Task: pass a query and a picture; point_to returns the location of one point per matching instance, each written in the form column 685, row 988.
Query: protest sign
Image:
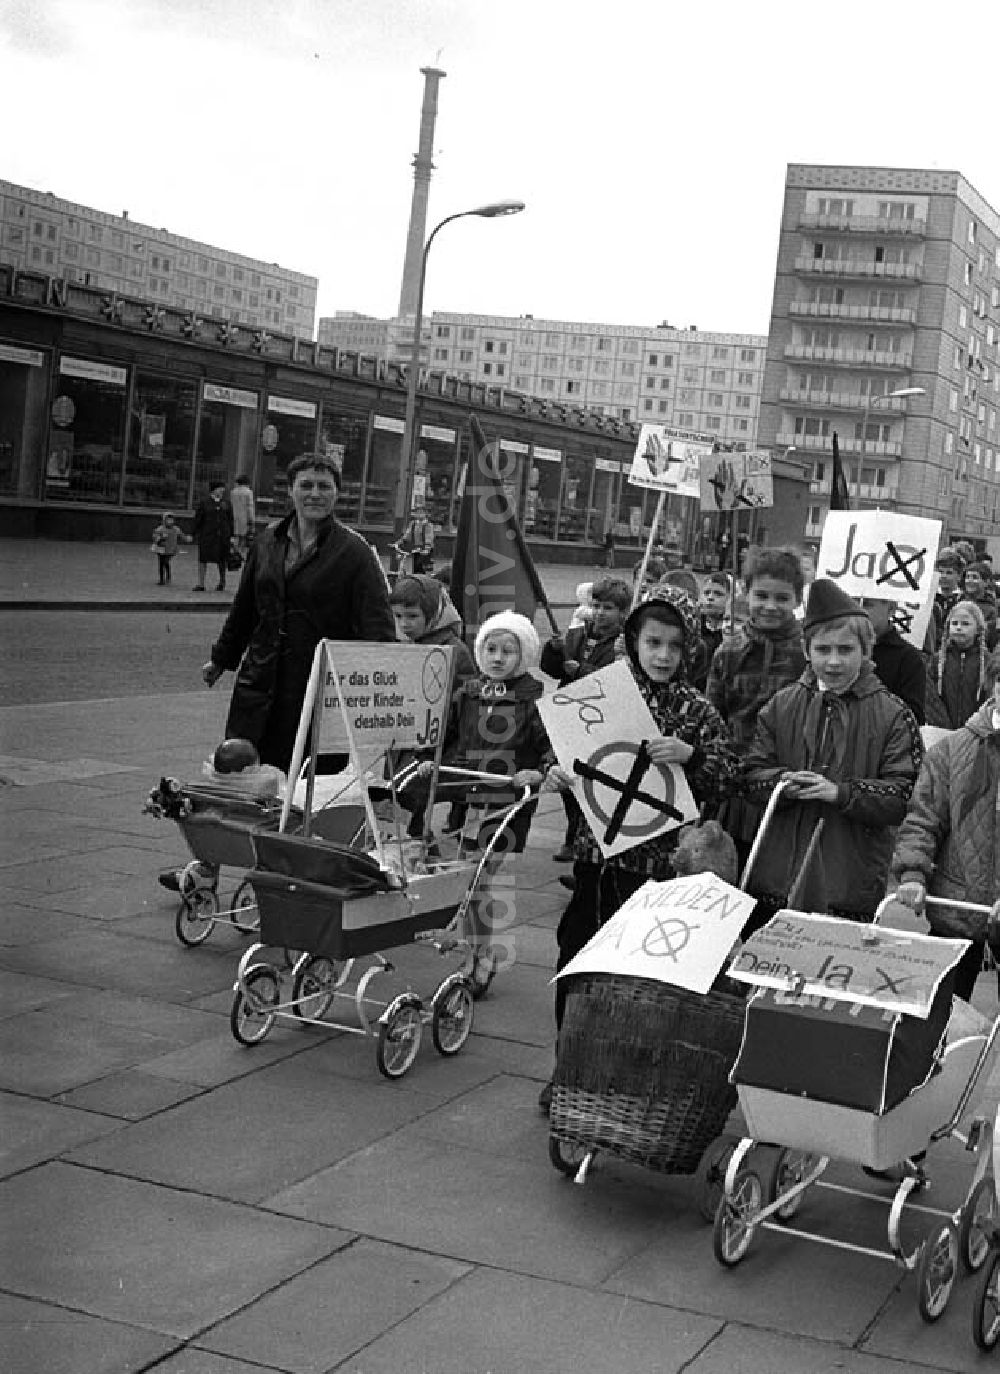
column 677, row 932
column 598, row 727
column 847, row 962
column 736, row 481
column 879, row 554
column 392, row 696
column 667, row 460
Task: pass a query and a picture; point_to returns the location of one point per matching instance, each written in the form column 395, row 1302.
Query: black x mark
column 629, row 789
column 902, row 565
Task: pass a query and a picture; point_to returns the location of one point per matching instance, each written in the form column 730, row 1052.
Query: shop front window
column 604, row 505
column 435, row 472
column 514, row 467
column 160, row 442
column 289, row 430
column 226, row 436
column 86, row 432
column 541, row 502
column 574, row 510
column 384, row 470
column 344, row 438
column 24, row 376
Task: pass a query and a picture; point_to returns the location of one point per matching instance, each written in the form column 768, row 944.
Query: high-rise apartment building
column 685, row 377
column 355, row 333
column 42, row 233
column 888, row 281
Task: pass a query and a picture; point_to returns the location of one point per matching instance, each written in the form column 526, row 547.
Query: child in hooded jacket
column 496, row 728
column 661, row 643
column 848, row 752
column 956, row 675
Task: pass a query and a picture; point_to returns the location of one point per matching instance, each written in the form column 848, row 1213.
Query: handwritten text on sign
column 736, row 481
column 678, row 932
column 395, row 696
column 880, row 554
column 668, row 460
column 847, row 961
column 599, row 727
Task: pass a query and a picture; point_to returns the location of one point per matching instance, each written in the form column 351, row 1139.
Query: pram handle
column 758, row 839
column 953, row 902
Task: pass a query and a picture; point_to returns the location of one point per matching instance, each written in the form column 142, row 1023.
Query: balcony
column 865, row 224
column 848, row 357
column 876, row 314
column 837, row 400
column 849, row 445
column 885, row 271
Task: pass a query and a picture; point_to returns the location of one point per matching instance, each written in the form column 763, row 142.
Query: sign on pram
column 880, row 554
column 677, row 932
column 668, row 460
column 599, row 727
column 389, row 696
column 846, row 961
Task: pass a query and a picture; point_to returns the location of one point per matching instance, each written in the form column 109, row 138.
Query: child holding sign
column 848, row 752
column 661, row 645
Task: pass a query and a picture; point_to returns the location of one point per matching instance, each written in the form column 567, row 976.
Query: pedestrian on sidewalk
column 213, row 532
column 166, row 538
column 244, row 513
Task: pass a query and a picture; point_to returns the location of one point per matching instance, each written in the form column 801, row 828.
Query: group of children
column 793, row 695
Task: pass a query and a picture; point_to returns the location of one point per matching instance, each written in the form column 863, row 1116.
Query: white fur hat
column 509, row 622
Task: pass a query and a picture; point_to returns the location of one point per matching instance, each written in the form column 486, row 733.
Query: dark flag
column 840, row 492
column 492, row 568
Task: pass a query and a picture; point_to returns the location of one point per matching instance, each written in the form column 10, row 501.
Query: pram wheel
column 936, row 1271
column 976, row 1225
column 712, row 1177
column 195, row 917
column 568, row 1155
column 451, row 1016
column 316, row 978
column 245, row 916
column 986, row 1308
column 790, row 1167
column 399, row 1031
column 251, row 1016
column 735, row 1219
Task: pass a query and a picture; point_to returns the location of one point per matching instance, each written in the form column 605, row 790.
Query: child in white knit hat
column 496, row 728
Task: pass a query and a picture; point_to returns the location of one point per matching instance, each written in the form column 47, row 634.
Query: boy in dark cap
column 848, row 752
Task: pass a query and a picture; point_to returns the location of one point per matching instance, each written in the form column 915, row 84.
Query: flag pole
column 641, row 575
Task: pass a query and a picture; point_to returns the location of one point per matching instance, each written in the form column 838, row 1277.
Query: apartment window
column 953, row 399
column 647, row 404
column 572, row 388
column 719, row 352
column 488, row 346
column 468, row 333
column 652, row 360
column 577, row 342
column 524, row 360
column 668, row 360
column 664, row 383
column 713, row 422
column 686, row 396
column 441, row 355
column 603, row 345
column 237, row 294
column 547, row 384
column 502, row 347
column 744, row 379
column 501, row 369
column 552, row 341
column 219, row 292
column 959, row 355
column 650, row 383
column 742, row 426
column 743, row 402
column 37, row 228
column 550, row 361
column 972, row 231
column 685, row 419
column 527, row 340
column 662, row 407
column 717, row 375
column 628, row 369
column 576, row 364
column 203, row 267
column 715, row 398
column 465, row 355
column 602, row 368
column 632, row 345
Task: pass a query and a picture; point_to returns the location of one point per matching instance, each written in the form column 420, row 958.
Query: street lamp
column 870, row 403
column 494, row 210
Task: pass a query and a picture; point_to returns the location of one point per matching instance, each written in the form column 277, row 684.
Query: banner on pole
column 599, row 727
column 880, row 554
column 736, row 481
column 668, row 460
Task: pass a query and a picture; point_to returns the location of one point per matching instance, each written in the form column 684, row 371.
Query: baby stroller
column 807, row 1084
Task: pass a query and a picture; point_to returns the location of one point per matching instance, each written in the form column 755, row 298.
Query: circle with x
column 434, row 676
column 631, row 793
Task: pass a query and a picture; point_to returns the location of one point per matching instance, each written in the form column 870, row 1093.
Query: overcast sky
column 648, row 139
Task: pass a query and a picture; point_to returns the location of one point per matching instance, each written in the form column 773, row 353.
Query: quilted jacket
column 746, row 672
column 950, row 839
column 867, row 742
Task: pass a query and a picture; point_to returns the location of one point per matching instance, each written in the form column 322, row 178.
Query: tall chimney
column 422, row 168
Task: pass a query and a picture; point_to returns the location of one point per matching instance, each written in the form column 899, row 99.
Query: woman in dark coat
column 307, row 578
column 213, row 533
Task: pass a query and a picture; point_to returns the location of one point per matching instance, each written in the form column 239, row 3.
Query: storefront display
column 227, row 436
column 160, row 442
column 86, row 431
column 24, row 378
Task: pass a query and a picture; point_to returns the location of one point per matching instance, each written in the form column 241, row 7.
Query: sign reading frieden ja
column 880, row 554
column 847, row 962
column 678, row 932
column 389, row 696
column 599, row 727
column 668, row 460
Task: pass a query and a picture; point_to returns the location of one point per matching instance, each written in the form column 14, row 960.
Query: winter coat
column 213, row 530
column 496, row 728
column 166, row 539
column 961, row 691
column 901, row 668
column 337, row 591
column 746, row 672
column 867, row 742
column 950, row 839
column 712, row 637
column 241, row 501
column 591, row 654
column 678, row 709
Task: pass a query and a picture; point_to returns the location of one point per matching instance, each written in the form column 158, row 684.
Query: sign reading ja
column 880, row 554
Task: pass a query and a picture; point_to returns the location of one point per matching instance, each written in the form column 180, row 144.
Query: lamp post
column 870, row 403
column 403, row 491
